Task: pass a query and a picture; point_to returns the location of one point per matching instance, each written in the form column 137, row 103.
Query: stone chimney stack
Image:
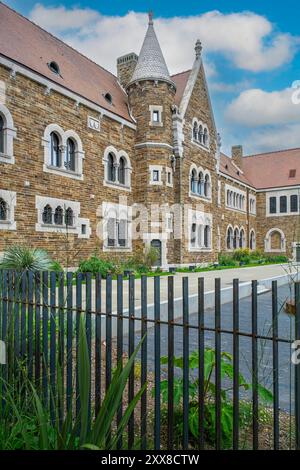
column 126, row 66
column 237, row 155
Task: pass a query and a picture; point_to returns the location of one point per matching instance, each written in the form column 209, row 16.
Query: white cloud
column 61, row 20
column 246, row 39
column 221, row 87
column 274, row 138
column 256, row 107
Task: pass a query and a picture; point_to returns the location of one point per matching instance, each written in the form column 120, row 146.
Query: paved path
column 226, row 275
column 286, row 328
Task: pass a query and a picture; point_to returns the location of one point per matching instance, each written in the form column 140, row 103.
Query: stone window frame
column 117, row 212
column 159, row 169
column 63, row 137
column 117, row 155
column 205, row 173
column 200, row 220
column 229, row 238
column 42, row 201
column 9, row 134
column 156, row 109
column 169, row 171
column 235, row 199
column 252, row 204
column 277, row 195
column 10, row 198
column 252, row 233
column 268, row 236
column 202, row 129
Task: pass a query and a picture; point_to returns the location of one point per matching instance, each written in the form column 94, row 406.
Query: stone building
column 90, row 162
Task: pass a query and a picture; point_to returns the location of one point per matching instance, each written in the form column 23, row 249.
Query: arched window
column 236, row 238
column 193, row 181
column 229, row 241
column 111, row 168
column 3, row 210
column 207, row 236
column 70, row 155
column 201, row 184
column 195, row 131
column 122, row 164
column 205, row 137
column 200, row 135
column 207, row 186
column 242, row 239
column 55, row 150
column 1, row 134
column 69, row 217
column 193, row 235
column 200, row 236
column 252, row 240
column 47, row 214
column 59, row 216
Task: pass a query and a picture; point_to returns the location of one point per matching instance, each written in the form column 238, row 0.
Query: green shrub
column 96, row 265
column 275, row 258
column 57, row 267
column 27, row 425
column 241, row 254
column 227, row 372
column 226, row 260
column 22, row 258
column 256, row 254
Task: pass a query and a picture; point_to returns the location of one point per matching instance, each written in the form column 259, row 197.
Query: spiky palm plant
column 22, row 258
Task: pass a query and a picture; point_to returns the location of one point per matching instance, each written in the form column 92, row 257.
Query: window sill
column 234, row 209
column 62, row 172
column 122, row 187
column 4, row 158
column 200, row 250
column 198, row 196
column 156, row 124
column 69, row 227
column 116, row 249
column 204, row 147
column 7, row 225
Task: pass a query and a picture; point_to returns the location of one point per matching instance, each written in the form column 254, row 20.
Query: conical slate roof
column 151, row 64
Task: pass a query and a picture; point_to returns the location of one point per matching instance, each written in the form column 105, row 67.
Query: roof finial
column 150, row 15
column 198, row 48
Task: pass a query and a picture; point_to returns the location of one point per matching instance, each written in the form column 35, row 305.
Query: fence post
column 236, row 365
column 297, row 366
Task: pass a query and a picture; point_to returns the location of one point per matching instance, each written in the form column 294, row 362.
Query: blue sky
column 251, row 52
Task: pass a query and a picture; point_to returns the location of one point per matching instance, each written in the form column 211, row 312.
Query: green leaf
column 264, row 393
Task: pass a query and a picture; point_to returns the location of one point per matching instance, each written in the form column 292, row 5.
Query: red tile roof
column 180, row 80
column 230, row 169
column 29, row 45
column 272, row 170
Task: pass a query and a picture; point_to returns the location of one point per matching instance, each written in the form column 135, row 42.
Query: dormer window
column 108, row 98
column 54, row 67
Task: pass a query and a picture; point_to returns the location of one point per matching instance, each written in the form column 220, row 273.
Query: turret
column 151, row 91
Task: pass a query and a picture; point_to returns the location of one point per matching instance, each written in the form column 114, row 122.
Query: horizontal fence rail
column 192, row 364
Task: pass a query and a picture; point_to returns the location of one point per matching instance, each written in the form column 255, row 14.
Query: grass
column 221, row 268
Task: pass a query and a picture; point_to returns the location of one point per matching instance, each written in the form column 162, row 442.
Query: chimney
column 237, row 155
column 125, row 66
